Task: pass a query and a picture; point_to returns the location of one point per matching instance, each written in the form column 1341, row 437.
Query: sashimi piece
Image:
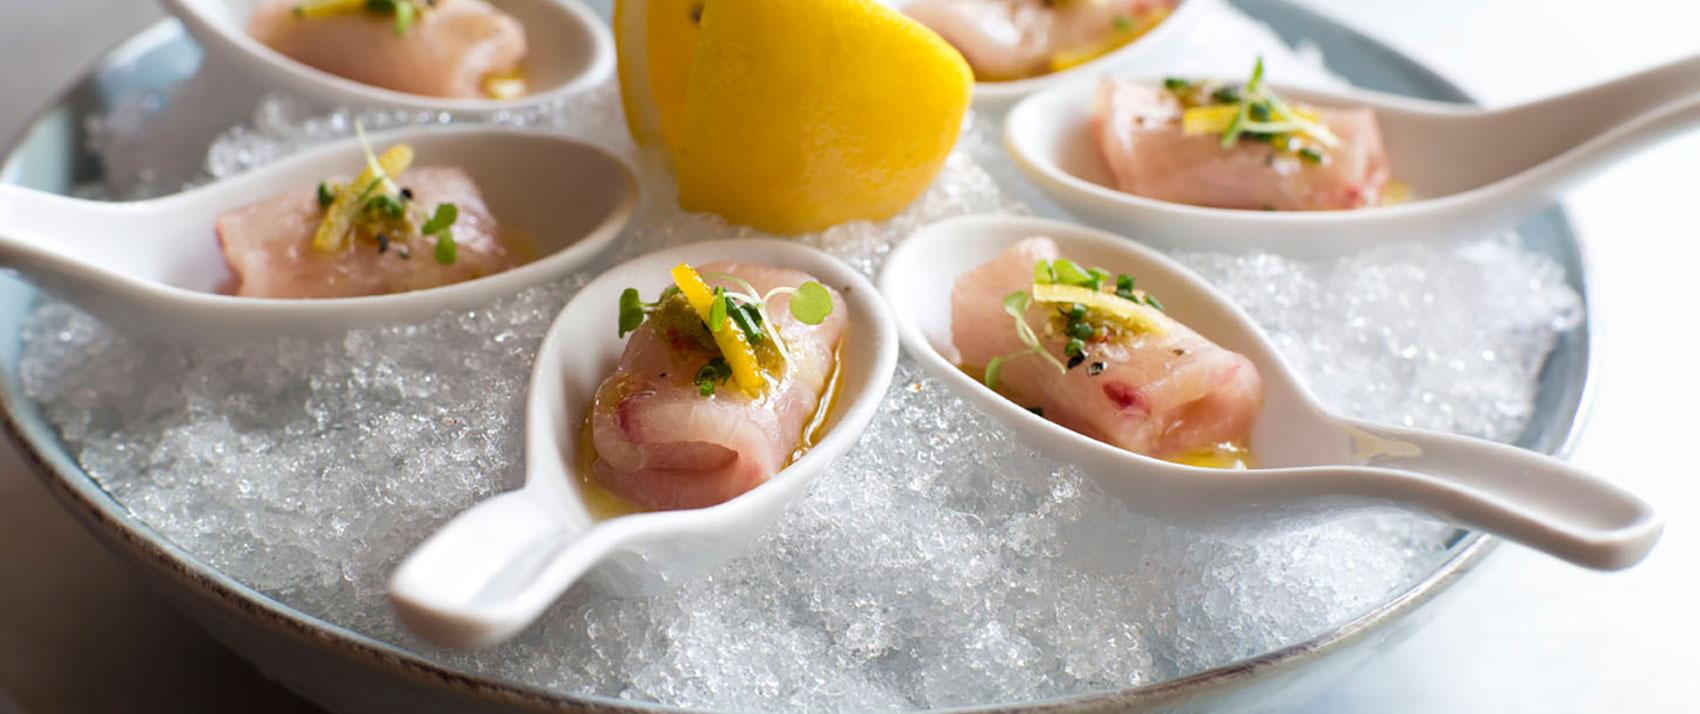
column 1149, row 154
column 268, row 245
column 447, row 52
column 1011, row 39
column 661, row 444
column 1164, row 396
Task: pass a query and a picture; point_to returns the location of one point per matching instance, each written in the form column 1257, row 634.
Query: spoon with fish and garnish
column 1310, row 465
column 493, row 569
column 443, row 55
column 158, row 269
column 1469, row 171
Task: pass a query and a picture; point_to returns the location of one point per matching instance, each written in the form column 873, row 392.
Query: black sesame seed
column 1076, row 360
column 1095, row 369
column 1179, row 351
column 407, row 193
column 383, row 244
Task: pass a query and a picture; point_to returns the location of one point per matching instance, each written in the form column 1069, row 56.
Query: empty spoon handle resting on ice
column 1536, row 500
column 494, row 569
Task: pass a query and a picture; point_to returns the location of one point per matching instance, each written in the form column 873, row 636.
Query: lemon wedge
column 1134, row 315
column 731, row 341
column 791, row 116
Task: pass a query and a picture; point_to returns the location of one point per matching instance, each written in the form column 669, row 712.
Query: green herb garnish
column 631, row 310
column 446, row 248
column 1176, row 84
column 1124, row 24
column 717, row 311
column 327, row 195
column 443, row 218
column 716, row 371
column 812, row 303
column 1016, row 304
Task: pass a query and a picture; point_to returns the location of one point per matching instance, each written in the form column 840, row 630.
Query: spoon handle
column 60, row 242
column 1536, row 500
column 1567, row 137
column 494, row 569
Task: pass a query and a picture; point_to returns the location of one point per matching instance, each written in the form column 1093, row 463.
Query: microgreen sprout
column 1016, row 304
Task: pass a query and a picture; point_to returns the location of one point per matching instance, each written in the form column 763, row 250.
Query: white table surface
column 1525, row 634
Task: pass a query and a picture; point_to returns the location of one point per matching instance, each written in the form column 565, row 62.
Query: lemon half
column 791, row 116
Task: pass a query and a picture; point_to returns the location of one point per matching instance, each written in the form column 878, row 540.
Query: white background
column 1524, row 634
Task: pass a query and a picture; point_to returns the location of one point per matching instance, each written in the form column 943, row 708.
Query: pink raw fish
column 1164, row 396
column 447, row 52
column 269, row 244
column 1011, row 39
column 661, row 444
column 1139, row 127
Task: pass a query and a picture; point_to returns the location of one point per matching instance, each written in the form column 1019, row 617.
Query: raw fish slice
column 269, row 244
column 661, row 444
column 1149, row 154
column 448, row 52
column 1010, row 39
column 1161, row 396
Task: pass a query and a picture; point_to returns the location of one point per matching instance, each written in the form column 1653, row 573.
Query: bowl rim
column 39, row 446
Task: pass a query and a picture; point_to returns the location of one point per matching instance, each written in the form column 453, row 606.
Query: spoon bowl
column 1162, row 45
column 495, row 568
column 154, row 268
column 1471, row 171
column 568, row 49
column 1313, row 466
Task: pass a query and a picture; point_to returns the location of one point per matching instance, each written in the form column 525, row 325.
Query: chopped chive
column 1080, row 330
column 1312, row 155
column 1176, row 84
column 742, row 318
column 1075, row 347
column 1076, row 311
column 327, row 196
column 1124, row 287
column 1260, row 111
column 1152, row 301
column 1124, row 24
column 1226, row 94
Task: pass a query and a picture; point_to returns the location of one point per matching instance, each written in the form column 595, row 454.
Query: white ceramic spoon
column 1472, row 171
column 1162, row 45
column 568, row 49
column 153, row 268
column 496, row 567
column 1313, row 466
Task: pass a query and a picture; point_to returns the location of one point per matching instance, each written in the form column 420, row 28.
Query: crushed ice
column 948, row 566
